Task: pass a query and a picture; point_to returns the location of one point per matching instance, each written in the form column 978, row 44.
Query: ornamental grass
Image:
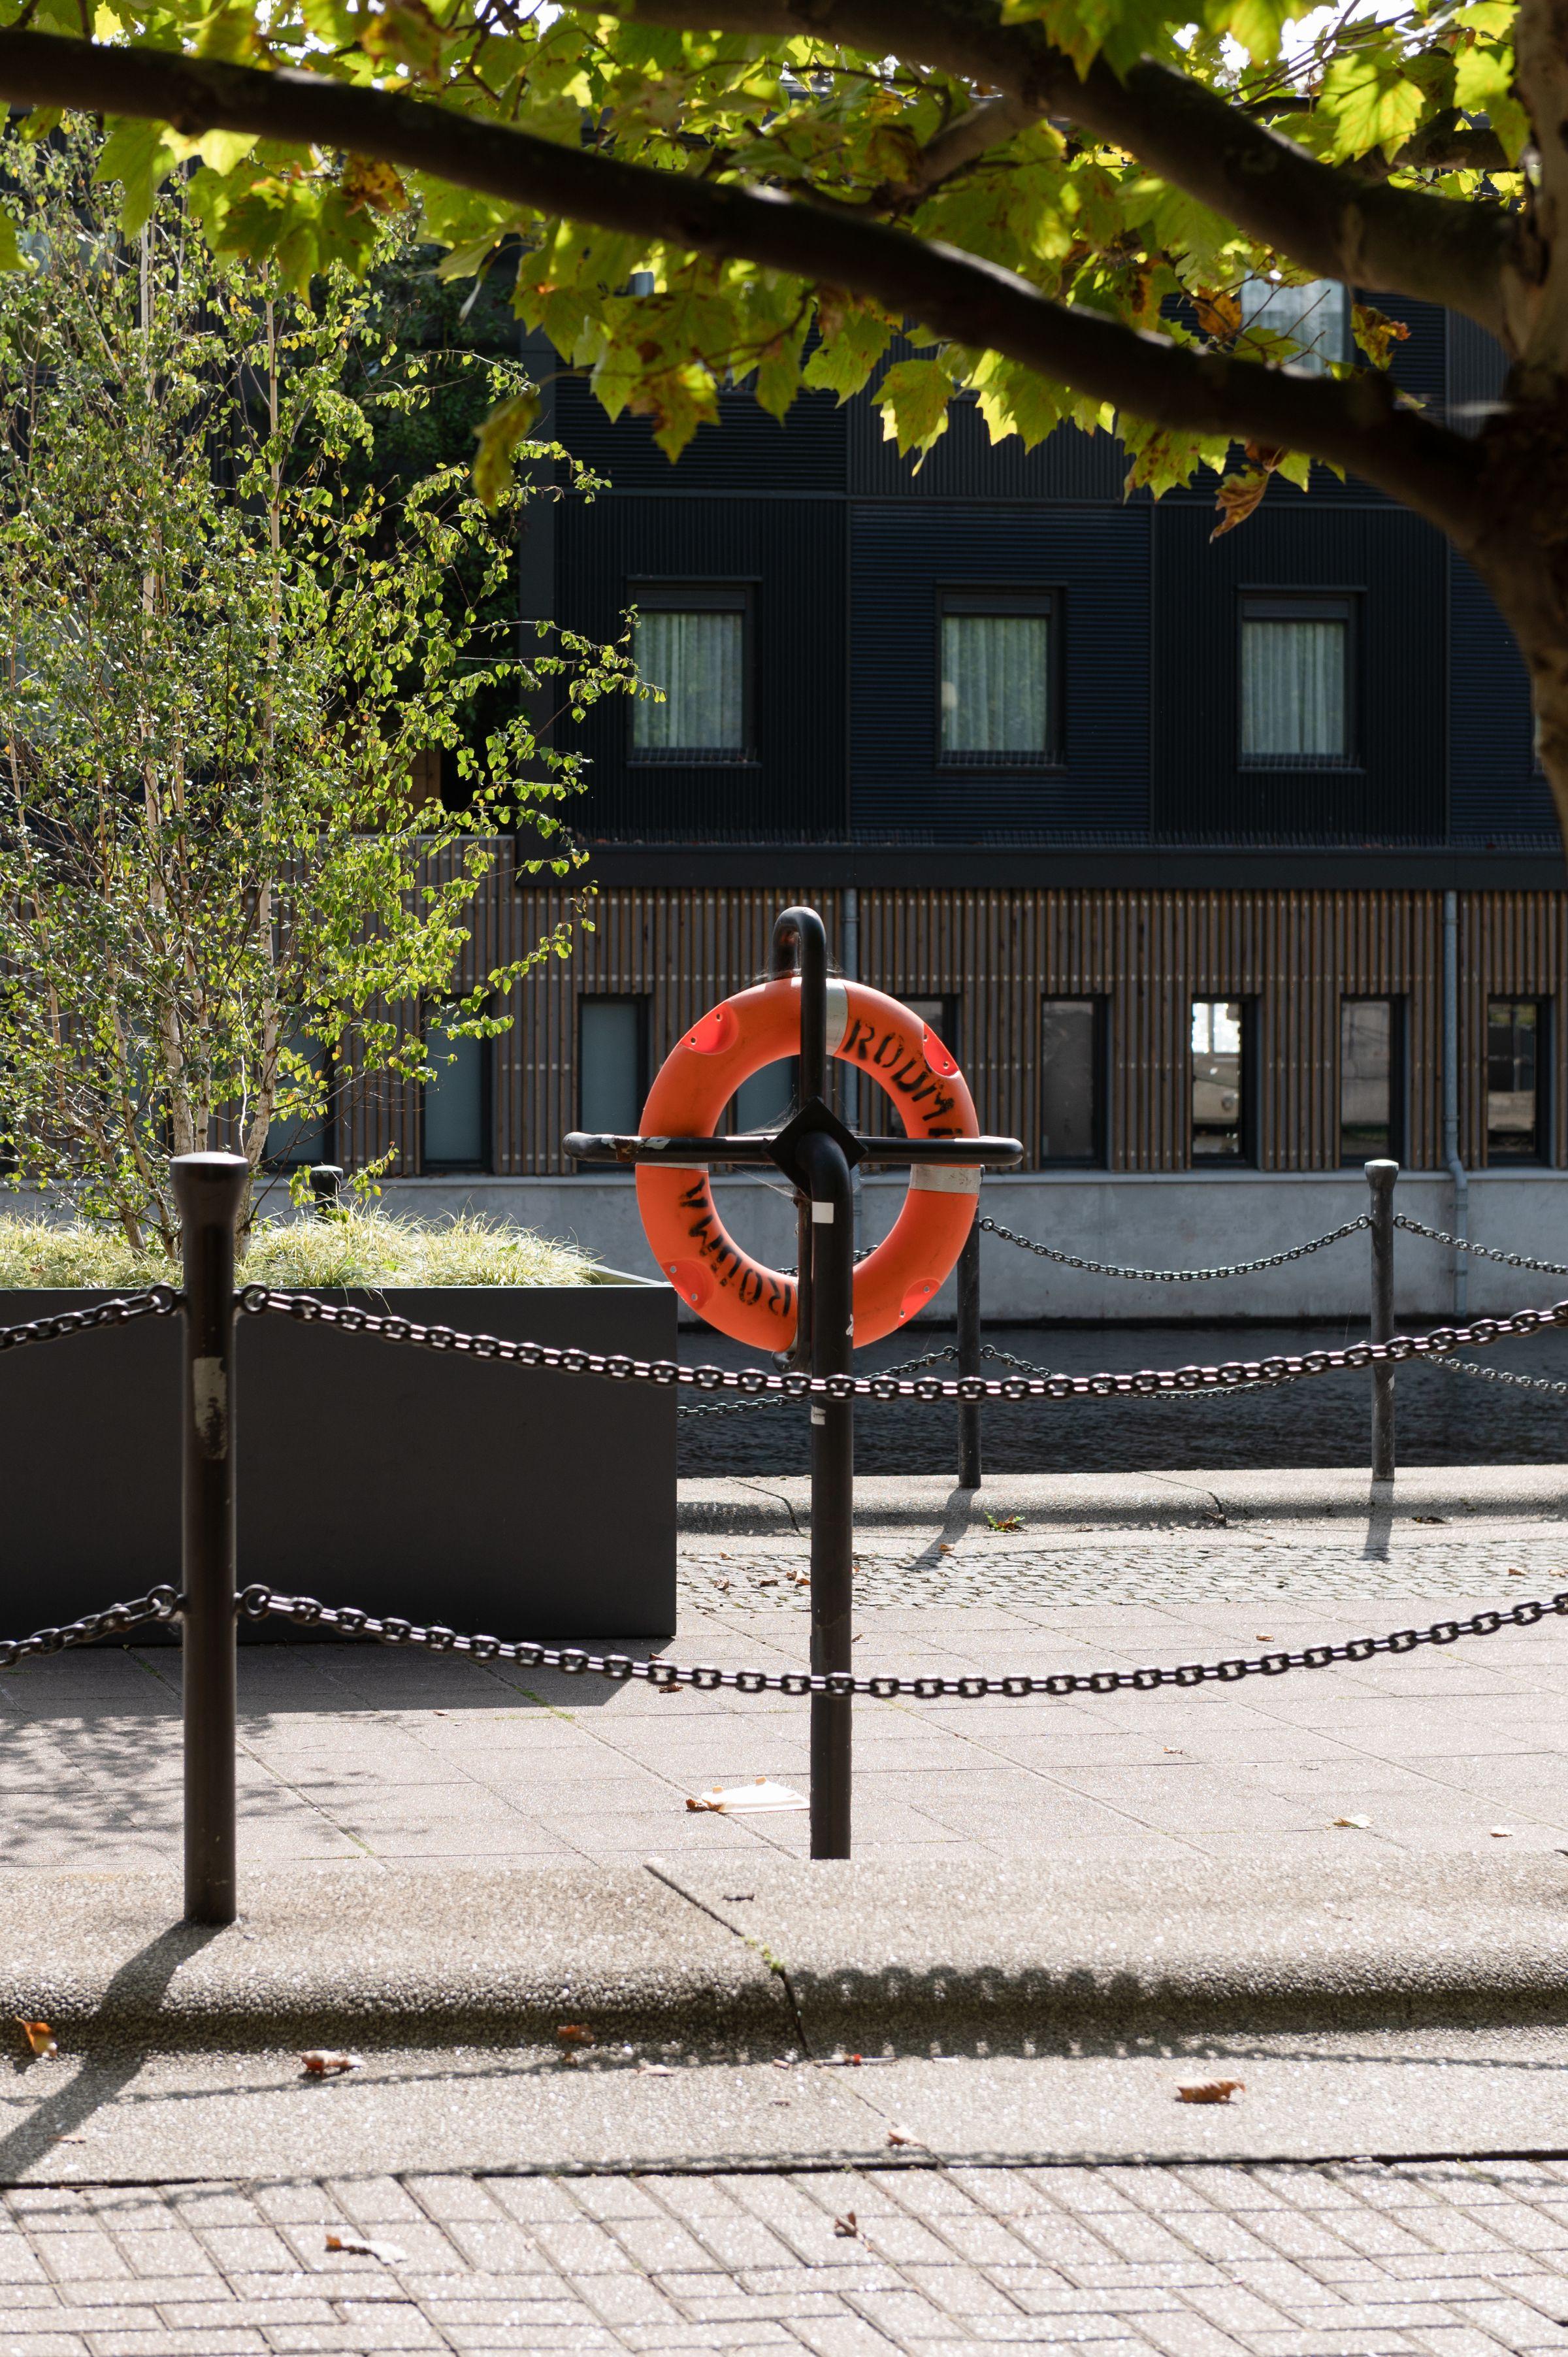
column 354, row 1247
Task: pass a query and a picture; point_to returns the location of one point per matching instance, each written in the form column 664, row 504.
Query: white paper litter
column 748, row 1799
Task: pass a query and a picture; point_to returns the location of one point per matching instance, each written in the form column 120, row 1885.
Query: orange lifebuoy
column 701, row 1073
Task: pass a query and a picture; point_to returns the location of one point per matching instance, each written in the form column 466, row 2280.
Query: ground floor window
column 766, row 1100
column 1516, row 1079
column 1370, row 1078
column 302, row 1138
column 1219, row 1107
column 455, row 1105
column 1071, row 1127
column 612, row 1063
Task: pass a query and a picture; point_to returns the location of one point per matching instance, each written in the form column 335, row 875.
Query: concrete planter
column 486, row 1496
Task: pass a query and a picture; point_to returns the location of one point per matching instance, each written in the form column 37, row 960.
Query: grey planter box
column 435, row 1487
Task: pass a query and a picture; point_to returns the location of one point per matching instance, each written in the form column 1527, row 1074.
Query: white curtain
column 699, row 661
column 996, row 679
column 1293, row 690
column 1311, row 316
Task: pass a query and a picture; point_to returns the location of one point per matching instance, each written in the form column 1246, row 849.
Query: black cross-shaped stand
column 818, row 1154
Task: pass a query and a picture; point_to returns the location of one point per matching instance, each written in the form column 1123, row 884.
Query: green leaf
column 10, row 252
column 1370, row 101
column 913, row 398
column 140, row 156
column 1482, row 84
column 508, row 424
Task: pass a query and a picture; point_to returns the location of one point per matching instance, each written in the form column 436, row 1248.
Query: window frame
column 1398, row 1005
column 1268, row 605
column 1542, row 1157
column 730, row 594
column 1246, row 1155
column 641, row 1001
column 1098, row 1159
column 1000, row 602
column 487, row 1161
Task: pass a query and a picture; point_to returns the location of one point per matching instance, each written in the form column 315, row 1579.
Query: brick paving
column 1445, row 2258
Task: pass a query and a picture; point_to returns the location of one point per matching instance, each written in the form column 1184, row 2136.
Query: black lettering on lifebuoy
column 860, row 1031
column 750, row 1286
column 920, row 1085
column 890, row 1048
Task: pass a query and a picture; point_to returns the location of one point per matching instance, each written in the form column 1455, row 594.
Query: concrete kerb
column 720, row 1963
column 764, row 1505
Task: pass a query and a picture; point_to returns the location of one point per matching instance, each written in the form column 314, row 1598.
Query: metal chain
column 158, row 1604
column 1179, row 1276
column 158, row 1301
column 754, row 1382
column 306, row 1611
column 905, row 1367
column 1482, row 1252
column 1027, row 1367
column 1498, row 1375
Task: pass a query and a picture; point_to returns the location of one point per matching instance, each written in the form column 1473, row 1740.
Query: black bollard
column 1381, row 1178
column 969, row 1459
column 210, row 1189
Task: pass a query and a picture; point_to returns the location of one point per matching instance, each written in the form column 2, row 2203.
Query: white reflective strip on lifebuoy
column 942, row 1178
column 838, row 1016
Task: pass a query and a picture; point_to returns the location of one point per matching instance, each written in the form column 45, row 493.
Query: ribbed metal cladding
column 1147, row 954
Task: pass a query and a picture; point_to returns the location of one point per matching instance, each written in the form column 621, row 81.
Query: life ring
column 873, row 1034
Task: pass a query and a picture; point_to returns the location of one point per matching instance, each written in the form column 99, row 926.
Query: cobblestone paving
column 1337, row 1560
column 1447, row 2258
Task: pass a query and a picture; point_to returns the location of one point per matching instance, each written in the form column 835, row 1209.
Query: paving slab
column 758, row 1504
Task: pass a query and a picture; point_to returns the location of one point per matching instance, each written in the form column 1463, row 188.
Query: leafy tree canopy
column 1061, row 200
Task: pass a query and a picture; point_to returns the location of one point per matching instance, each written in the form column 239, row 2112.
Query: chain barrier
column 1027, row 1367
column 158, row 1301
column 1498, row 1375
column 754, row 1382
column 158, row 1604
column 1481, row 1252
column 259, row 1602
column 905, row 1367
column 1179, row 1276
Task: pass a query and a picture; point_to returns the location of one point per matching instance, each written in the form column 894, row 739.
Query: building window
column 767, row 1099
column 1315, row 317
column 1516, row 1079
column 455, row 1105
column 1296, row 682
column 1370, row 1078
column 1070, row 1072
column 998, row 679
column 612, row 1064
column 302, row 1138
column 691, row 641
column 1218, row 1080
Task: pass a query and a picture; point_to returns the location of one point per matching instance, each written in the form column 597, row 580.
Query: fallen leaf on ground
column 355, row 2247
column 656, row 2069
column 1429, row 1517
column 324, row 2062
column 1003, row 1522
column 1361, row 1824
column 846, row 2224
column 575, row 2033
column 746, row 1800
column 40, row 2037
column 1502, row 1833
column 1262, row 1637
column 783, row 2061
column 1211, row 2091
column 723, row 1585
column 901, row 2136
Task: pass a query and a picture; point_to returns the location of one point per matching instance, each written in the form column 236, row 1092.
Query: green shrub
column 359, row 1247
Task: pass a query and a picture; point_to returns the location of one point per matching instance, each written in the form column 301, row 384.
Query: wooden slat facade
column 1147, row 953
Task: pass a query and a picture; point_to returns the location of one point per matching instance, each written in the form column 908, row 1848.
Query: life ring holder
column 872, row 1034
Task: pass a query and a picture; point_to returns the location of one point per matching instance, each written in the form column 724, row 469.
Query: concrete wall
column 1169, row 1221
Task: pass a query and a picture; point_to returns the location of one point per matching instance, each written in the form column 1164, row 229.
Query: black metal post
column 1381, row 1178
column 799, row 938
column 208, row 1189
column 968, row 1461
column 326, row 1189
column 833, row 1488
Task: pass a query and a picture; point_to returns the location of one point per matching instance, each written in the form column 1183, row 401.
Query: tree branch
column 1325, row 217
column 1355, row 423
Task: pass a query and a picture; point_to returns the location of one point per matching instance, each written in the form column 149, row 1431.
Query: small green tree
column 223, row 648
